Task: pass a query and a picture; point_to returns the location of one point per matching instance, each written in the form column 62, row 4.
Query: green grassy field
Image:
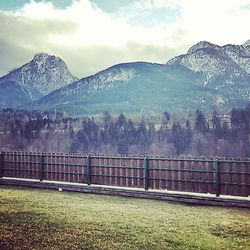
column 42, row 219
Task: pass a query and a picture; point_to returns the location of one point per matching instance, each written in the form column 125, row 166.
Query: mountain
column 225, row 70
column 42, row 75
column 227, row 63
column 129, row 88
column 13, row 95
column 207, row 77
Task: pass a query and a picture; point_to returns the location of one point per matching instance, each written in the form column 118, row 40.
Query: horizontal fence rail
column 214, row 176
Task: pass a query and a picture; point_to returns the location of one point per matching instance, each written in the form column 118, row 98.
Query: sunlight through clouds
column 90, row 37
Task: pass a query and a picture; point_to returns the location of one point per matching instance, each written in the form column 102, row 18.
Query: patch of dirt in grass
column 237, row 235
column 231, row 231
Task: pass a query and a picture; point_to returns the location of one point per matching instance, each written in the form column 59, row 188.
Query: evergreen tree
column 188, row 134
column 165, row 120
column 216, row 123
column 200, row 122
column 178, row 138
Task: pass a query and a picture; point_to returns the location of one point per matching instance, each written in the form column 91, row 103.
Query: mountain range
column 208, row 77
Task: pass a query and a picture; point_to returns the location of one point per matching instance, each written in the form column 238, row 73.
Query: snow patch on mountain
column 216, row 61
column 239, row 55
column 112, row 77
column 106, row 79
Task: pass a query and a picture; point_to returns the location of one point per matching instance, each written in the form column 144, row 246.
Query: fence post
column 1, row 164
column 217, row 178
column 41, row 167
column 88, row 165
column 145, row 173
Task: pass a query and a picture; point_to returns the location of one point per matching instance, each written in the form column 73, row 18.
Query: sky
column 91, row 35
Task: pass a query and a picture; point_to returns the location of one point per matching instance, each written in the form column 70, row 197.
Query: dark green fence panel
column 215, row 176
column 1, row 164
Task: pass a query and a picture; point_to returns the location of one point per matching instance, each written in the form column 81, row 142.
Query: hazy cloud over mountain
column 92, row 35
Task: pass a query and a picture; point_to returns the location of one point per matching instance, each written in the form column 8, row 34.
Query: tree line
column 198, row 135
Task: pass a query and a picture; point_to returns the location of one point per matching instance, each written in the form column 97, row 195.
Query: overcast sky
column 90, row 35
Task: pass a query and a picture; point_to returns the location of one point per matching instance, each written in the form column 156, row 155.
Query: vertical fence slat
column 41, row 167
column 88, row 172
column 1, row 165
column 217, row 178
column 145, row 173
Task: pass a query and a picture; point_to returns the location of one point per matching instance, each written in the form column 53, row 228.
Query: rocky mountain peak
column 43, row 61
column 40, row 56
column 202, row 45
column 44, row 57
column 42, row 75
column 247, row 43
column 228, row 62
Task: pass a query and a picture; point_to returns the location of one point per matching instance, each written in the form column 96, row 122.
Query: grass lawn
column 44, row 219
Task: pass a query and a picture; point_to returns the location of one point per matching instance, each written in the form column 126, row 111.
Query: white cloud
column 218, row 21
column 152, row 4
column 94, row 27
column 90, row 39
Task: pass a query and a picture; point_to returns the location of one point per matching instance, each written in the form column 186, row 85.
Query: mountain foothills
column 208, row 77
column 33, row 80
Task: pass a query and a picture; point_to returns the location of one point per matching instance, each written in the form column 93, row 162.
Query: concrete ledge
column 155, row 195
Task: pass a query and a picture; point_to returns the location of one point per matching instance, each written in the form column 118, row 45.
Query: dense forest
column 197, row 135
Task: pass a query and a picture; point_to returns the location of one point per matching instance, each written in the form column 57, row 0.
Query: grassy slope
column 41, row 219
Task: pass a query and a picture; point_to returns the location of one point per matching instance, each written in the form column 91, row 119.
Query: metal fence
column 215, row 176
